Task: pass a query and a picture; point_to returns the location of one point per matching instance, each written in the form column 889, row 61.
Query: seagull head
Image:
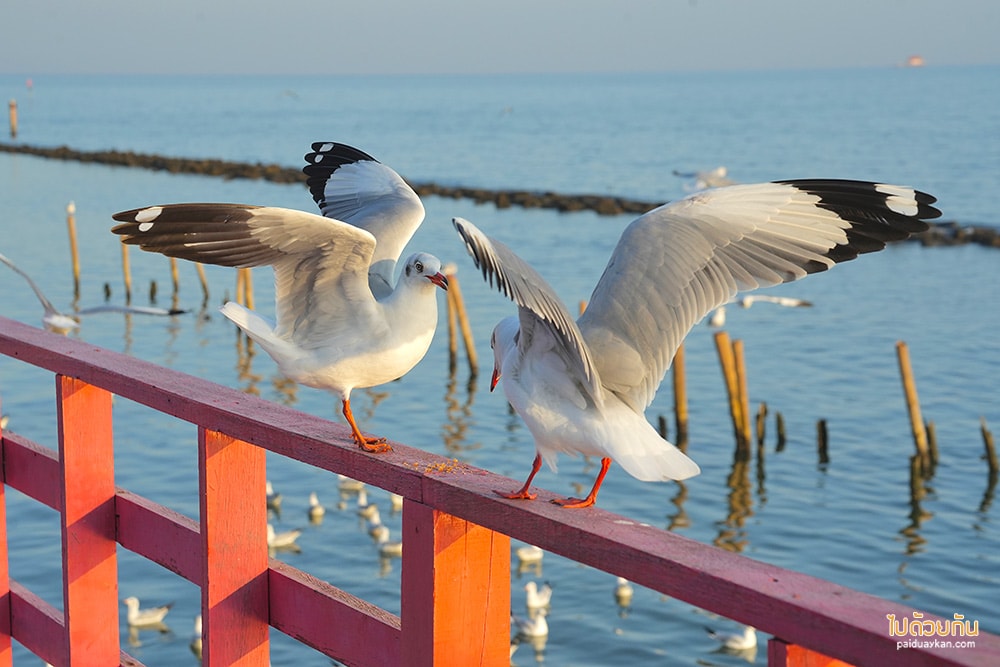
column 503, row 340
column 423, row 265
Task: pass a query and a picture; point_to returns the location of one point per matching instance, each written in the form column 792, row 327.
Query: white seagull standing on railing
column 582, row 386
column 340, row 322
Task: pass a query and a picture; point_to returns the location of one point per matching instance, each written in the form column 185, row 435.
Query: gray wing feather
column 320, row 264
column 676, row 263
column 538, row 304
column 354, row 187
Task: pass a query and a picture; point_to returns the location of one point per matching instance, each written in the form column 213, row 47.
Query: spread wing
column 679, row 261
column 320, row 264
column 350, row 185
column 539, row 307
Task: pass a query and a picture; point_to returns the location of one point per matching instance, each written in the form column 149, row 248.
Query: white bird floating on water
column 740, row 641
column 395, row 503
column 786, row 301
column 533, row 627
column 196, row 638
column 718, row 316
column 273, row 497
column 316, row 510
column 347, row 485
column 711, row 178
column 535, row 597
column 340, row 323
column 387, row 548
column 623, row 592
column 366, row 510
column 150, row 616
column 529, row 554
column 283, row 540
column 582, row 386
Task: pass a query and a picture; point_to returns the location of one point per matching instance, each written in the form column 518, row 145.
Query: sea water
column 850, row 521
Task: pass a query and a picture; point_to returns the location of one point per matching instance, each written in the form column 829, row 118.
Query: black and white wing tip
column 325, row 159
column 210, row 233
column 878, row 213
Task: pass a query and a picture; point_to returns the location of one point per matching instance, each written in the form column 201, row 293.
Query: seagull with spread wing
column 582, row 386
column 342, row 322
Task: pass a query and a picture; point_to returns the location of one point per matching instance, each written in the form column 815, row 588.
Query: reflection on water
column 458, row 413
column 732, row 536
column 680, row 518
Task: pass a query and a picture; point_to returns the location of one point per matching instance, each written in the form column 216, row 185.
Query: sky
column 465, row 36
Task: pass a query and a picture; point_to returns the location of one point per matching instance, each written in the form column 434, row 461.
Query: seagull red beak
column 439, row 280
column 495, row 379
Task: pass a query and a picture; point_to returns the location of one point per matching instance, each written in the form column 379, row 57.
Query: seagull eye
column 419, row 266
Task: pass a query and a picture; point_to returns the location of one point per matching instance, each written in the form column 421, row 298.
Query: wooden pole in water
column 913, row 404
column 932, row 448
column 779, row 421
column 726, row 359
column 13, row 118
column 452, row 330
column 741, row 375
column 248, row 287
column 680, row 399
column 241, row 281
column 916, row 479
column 175, row 278
column 463, row 324
column 822, row 442
column 73, row 249
column 991, row 452
column 127, row 274
column 203, row 280
column 761, row 423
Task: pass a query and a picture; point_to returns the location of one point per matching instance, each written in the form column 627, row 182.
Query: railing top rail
column 798, row 608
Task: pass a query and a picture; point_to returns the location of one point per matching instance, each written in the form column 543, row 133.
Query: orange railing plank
column 32, row 469
column 782, row 654
column 330, row 620
column 38, row 625
column 455, row 590
column 234, row 551
column 160, row 535
column 90, row 565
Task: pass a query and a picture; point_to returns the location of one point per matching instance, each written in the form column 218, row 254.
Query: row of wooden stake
column 731, row 358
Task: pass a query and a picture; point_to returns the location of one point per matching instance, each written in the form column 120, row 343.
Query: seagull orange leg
column 522, row 493
column 592, row 496
column 374, row 445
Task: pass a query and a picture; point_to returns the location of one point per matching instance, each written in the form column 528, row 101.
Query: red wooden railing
column 455, row 577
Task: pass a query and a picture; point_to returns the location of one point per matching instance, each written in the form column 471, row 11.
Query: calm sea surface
column 850, row 521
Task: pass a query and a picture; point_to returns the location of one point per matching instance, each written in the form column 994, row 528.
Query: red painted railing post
column 90, row 565
column 783, row 654
column 455, row 591
column 6, row 653
column 234, row 548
